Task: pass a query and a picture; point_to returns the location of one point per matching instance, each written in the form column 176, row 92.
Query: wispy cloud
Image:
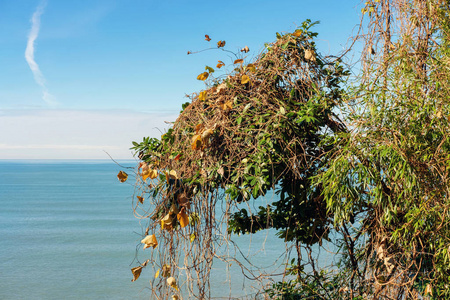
column 29, row 54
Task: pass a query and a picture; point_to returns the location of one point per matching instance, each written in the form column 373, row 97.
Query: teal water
column 67, row 231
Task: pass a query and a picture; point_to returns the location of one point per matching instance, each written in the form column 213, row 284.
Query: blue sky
column 88, row 76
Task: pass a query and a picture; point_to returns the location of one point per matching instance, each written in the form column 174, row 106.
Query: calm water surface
column 67, row 231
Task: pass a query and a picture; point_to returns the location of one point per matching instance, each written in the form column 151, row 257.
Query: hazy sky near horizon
column 78, row 78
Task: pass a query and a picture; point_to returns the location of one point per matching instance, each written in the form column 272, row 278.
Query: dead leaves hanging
column 202, row 96
column 136, row 271
column 183, row 218
column 251, row 68
column 245, row 79
column 150, row 241
column 226, row 106
column 203, row 76
column 201, row 138
column 220, row 44
column 166, row 270
column 171, row 281
column 147, row 171
column 298, row 33
column 166, row 222
column 172, row 174
column 196, row 142
column 310, row 55
column 122, row 176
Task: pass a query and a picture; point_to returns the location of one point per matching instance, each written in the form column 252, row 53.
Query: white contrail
column 29, row 53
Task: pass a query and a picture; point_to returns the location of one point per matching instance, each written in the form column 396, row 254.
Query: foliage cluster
column 377, row 180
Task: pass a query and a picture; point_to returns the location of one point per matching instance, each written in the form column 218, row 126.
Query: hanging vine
column 261, row 127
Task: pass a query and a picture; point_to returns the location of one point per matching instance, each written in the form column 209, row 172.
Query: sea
column 67, row 231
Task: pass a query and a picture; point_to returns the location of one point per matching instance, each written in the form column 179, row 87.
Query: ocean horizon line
column 67, row 160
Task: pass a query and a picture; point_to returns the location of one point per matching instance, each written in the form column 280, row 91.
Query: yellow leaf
column 251, row 68
column 175, row 297
column 145, row 170
column 172, row 283
column 196, row 142
column 153, row 174
column 309, row 55
column 141, row 199
column 150, row 241
column 298, row 33
column 145, row 173
column 136, row 273
column 245, row 79
column 238, row 61
column 194, row 219
column 227, row 105
column 137, row 270
column 183, row 219
column 148, row 172
column 166, row 270
column 220, row 64
column 192, row 237
column 122, row 176
column 199, row 128
column 221, row 88
column 203, row 76
column 206, row 134
column 166, row 222
column 202, row 96
column 209, row 69
column 157, row 273
column 220, row 44
column 173, row 174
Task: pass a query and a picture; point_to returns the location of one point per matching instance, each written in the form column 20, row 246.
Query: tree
column 260, row 128
column 378, row 179
column 391, row 171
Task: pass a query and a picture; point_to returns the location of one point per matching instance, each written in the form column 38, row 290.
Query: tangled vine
column 375, row 181
column 257, row 129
